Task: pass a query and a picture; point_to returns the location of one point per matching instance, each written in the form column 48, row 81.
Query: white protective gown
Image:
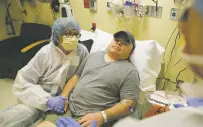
column 44, row 76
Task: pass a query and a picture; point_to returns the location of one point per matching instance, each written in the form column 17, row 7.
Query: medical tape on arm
column 130, row 107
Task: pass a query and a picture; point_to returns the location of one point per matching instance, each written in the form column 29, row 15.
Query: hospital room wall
column 3, row 33
column 146, row 28
column 40, row 13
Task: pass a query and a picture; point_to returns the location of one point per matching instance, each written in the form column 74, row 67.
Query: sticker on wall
column 86, row 3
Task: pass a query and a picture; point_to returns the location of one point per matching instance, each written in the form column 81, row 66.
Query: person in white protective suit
column 38, row 85
column 191, row 26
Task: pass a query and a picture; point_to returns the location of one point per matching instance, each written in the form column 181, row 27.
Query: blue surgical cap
column 61, row 25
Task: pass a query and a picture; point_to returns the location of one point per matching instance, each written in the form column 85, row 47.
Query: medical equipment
column 93, row 5
column 66, row 10
column 63, row 7
column 130, row 107
column 129, row 9
column 156, row 2
column 8, row 20
column 116, row 7
column 9, row 26
column 55, row 5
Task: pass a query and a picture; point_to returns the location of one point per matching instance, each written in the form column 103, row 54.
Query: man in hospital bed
column 106, row 86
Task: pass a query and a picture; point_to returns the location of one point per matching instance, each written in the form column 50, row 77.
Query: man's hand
column 70, row 122
column 86, row 120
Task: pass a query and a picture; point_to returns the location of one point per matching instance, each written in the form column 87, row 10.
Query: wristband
column 104, row 116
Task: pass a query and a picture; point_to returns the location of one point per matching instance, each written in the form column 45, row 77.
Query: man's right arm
column 70, row 85
column 74, row 79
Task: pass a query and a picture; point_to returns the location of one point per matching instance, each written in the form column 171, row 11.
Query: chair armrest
column 33, row 45
column 29, row 54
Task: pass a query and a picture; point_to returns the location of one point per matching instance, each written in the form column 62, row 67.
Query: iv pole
column 9, row 20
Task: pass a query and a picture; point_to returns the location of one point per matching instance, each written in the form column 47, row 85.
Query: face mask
column 69, row 43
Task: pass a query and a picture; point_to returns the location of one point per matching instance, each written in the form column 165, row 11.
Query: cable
column 188, row 78
column 167, row 80
column 7, row 8
column 53, row 14
column 15, row 19
column 180, row 73
column 169, row 41
column 171, row 53
column 194, row 80
column 8, row 17
column 172, row 81
column 176, row 63
column 177, row 85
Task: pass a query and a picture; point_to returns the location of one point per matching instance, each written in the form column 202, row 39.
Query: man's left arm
column 129, row 93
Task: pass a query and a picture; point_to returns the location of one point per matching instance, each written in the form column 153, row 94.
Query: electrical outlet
column 153, row 11
column 174, row 14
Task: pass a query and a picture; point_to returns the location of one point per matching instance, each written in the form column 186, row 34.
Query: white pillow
column 101, row 39
column 86, row 35
column 147, row 59
column 146, row 56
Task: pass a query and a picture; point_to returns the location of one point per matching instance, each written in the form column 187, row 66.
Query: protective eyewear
column 71, row 34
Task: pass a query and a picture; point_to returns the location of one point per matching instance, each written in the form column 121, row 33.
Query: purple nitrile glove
column 178, row 105
column 191, row 102
column 195, row 102
column 56, row 104
column 70, row 122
